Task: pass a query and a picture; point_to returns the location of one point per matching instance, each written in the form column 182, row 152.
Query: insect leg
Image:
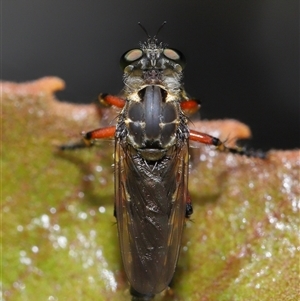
column 89, row 137
column 190, row 106
column 111, row 100
column 188, row 207
column 109, row 132
column 136, row 296
column 210, row 140
column 102, row 133
column 73, row 146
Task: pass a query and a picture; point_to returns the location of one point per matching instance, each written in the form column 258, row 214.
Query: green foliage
column 59, row 238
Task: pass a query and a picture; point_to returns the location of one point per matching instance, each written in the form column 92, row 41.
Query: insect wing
column 150, row 211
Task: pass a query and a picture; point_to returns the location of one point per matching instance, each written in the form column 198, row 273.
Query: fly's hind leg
column 136, row 296
column 188, row 207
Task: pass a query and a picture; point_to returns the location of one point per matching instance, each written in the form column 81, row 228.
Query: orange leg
column 102, row 133
column 89, row 137
column 204, row 138
column 190, row 106
column 210, row 140
column 111, row 100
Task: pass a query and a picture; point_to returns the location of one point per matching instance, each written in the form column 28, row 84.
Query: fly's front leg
column 111, row 100
column 190, row 106
column 210, row 140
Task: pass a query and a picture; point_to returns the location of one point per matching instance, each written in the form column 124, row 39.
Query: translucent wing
column 150, row 211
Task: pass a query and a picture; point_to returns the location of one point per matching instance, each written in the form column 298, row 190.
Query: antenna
column 140, row 24
column 159, row 29
column 161, row 26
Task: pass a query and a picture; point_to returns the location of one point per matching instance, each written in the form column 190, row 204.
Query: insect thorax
column 152, row 120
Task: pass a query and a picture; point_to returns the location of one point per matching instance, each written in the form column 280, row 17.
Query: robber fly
column 151, row 163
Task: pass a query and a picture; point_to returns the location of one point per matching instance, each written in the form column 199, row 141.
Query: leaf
column 58, row 231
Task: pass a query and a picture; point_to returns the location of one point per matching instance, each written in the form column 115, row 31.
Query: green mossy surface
column 59, row 237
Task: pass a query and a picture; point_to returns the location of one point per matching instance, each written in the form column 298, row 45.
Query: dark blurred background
column 242, row 56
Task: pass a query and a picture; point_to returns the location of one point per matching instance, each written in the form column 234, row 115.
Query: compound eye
column 175, row 55
column 133, row 55
column 171, row 54
column 130, row 56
